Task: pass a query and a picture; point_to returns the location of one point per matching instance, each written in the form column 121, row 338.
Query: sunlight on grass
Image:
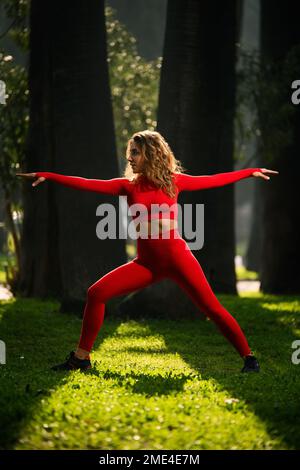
column 290, row 313
column 134, row 344
column 155, row 384
column 251, row 294
column 142, row 401
column 242, row 273
column 94, row 414
column 291, row 306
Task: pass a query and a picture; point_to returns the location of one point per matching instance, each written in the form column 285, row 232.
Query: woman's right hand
column 32, row 175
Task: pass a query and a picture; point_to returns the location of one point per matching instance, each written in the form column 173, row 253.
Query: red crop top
column 156, row 203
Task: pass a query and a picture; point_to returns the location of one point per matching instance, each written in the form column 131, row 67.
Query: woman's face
column 135, row 158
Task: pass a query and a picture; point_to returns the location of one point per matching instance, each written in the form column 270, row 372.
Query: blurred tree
column 70, row 132
column 13, row 129
column 13, row 123
column 196, row 114
column 280, row 146
column 134, row 83
column 248, row 220
column 133, row 80
column 239, row 22
column 266, row 80
column 15, row 17
column 247, row 149
column 146, row 21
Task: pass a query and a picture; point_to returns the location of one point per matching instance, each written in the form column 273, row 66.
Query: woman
column 154, row 176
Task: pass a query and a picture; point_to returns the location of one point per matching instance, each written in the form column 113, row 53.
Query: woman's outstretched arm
column 191, row 183
column 115, row 186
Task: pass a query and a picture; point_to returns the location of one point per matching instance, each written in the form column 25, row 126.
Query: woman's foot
column 73, row 362
column 251, row 364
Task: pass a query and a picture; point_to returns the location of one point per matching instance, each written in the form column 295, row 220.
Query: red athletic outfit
column 156, row 258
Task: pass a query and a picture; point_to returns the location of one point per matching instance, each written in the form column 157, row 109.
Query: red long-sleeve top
column 145, row 200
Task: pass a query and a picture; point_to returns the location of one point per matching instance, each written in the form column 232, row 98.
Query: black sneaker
column 73, row 362
column 251, row 364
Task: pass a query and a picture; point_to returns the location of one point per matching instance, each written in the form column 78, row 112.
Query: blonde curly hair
column 159, row 161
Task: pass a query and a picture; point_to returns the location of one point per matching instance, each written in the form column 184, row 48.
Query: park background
column 216, row 80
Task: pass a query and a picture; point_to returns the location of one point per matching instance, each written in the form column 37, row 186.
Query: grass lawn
column 3, row 260
column 242, row 273
column 156, row 384
column 9, row 261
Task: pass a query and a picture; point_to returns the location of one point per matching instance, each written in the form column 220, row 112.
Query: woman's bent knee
column 95, row 293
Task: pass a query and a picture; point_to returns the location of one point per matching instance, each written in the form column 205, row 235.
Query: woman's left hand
column 263, row 173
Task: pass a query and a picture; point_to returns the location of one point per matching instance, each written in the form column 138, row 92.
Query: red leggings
column 159, row 258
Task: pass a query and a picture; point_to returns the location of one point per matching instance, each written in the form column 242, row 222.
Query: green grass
column 243, row 274
column 2, row 270
column 5, row 260
column 156, row 384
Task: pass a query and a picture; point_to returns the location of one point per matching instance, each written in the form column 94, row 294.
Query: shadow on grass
column 36, row 335
column 270, row 327
column 142, row 383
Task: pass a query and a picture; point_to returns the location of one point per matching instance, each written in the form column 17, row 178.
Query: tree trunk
column 71, row 132
column 281, row 238
column 196, row 114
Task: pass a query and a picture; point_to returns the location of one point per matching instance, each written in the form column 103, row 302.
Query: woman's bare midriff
column 156, row 226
